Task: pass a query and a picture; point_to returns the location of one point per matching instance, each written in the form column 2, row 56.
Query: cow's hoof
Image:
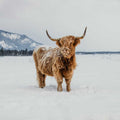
column 41, row 86
column 59, row 89
column 68, row 89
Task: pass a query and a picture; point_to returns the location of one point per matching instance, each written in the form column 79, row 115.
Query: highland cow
column 58, row 62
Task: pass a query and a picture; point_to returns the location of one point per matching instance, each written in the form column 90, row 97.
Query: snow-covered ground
column 95, row 93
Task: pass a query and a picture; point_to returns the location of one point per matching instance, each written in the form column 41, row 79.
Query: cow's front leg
column 68, row 78
column 68, row 84
column 59, row 88
column 59, row 79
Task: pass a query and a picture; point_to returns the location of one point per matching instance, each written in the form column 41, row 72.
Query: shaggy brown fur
column 58, row 62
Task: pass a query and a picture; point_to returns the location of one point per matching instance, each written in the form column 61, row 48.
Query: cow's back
column 45, row 59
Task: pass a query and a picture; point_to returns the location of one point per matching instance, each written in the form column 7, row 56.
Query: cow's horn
column 50, row 37
column 83, row 34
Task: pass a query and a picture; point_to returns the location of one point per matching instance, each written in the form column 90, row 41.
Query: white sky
column 65, row 17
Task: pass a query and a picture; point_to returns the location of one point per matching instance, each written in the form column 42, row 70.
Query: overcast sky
column 65, row 17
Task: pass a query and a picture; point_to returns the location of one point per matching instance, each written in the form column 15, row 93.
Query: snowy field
column 95, row 93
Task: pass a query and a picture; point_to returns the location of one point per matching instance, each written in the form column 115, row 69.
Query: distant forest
column 99, row 52
column 4, row 52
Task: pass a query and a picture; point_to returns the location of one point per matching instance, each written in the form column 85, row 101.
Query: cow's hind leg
column 40, row 77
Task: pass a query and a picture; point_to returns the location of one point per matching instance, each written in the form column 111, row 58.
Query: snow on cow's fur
column 58, row 62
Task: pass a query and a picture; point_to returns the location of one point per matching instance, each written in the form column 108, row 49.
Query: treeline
column 25, row 52
column 99, row 52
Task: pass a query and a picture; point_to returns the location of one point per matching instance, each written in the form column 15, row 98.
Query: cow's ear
column 58, row 43
column 76, row 42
